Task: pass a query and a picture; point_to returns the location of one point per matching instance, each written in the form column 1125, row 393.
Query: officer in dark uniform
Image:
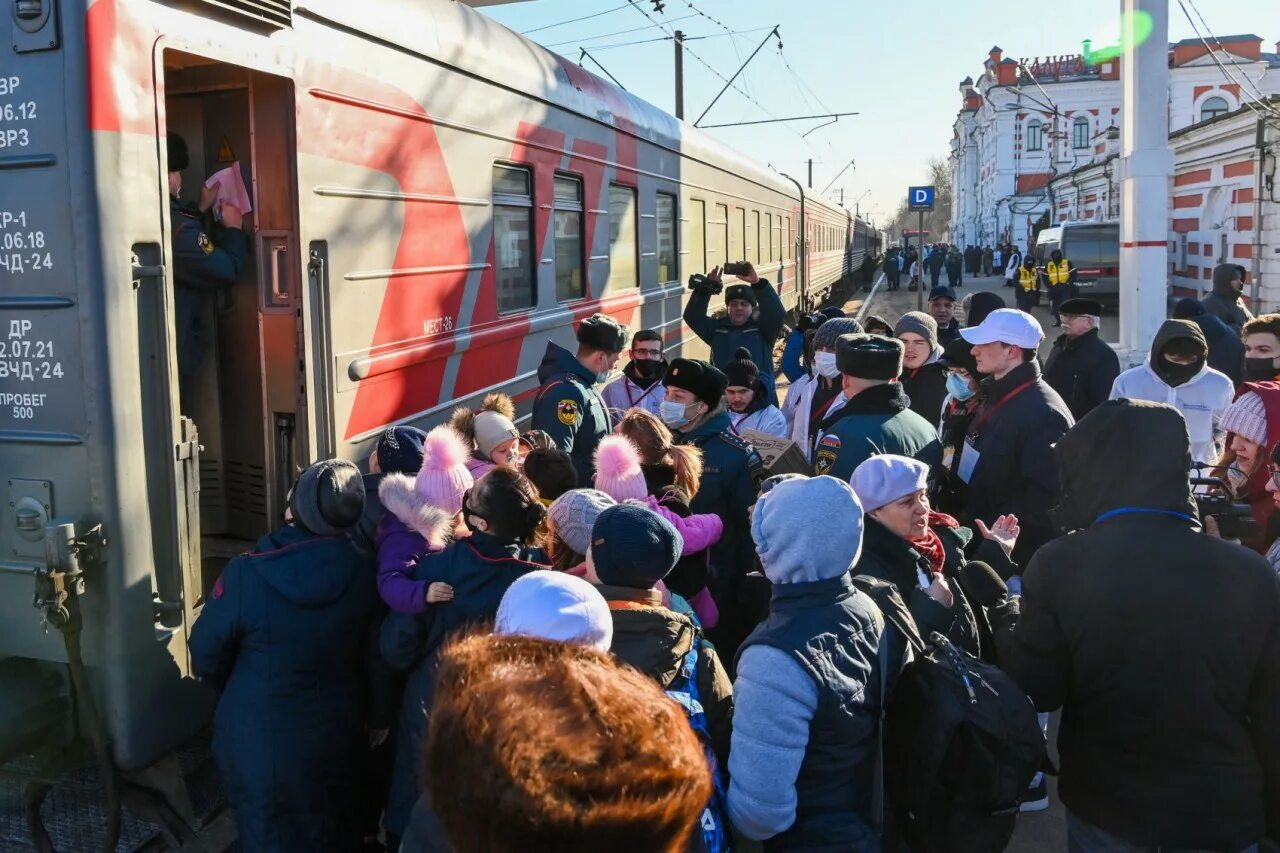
column 754, row 319
column 568, row 408
column 199, row 267
column 1081, row 367
column 695, row 410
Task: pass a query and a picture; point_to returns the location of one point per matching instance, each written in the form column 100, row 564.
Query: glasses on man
column 646, row 353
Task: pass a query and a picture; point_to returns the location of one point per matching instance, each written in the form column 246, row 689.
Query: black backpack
column 961, row 744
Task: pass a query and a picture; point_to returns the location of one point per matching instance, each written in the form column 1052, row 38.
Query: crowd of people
column 620, row 629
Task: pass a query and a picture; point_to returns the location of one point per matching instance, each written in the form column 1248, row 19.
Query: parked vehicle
column 1094, row 248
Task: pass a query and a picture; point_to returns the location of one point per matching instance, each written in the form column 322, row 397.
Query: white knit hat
column 1247, row 418
column 556, row 606
column 493, row 428
column 883, row 479
column 574, row 513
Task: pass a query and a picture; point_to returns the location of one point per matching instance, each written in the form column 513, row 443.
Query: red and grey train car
column 434, row 199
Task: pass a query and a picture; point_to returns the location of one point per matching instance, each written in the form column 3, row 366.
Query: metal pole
column 1260, row 153
column 810, row 173
column 920, row 289
column 679, row 41
column 1144, row 168
column 772, row 33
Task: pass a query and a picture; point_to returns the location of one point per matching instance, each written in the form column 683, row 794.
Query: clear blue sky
column 897, row 63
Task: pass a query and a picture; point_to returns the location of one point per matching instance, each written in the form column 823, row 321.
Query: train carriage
column 434, row 199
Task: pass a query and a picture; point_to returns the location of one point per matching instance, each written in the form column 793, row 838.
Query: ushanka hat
column 742, row 372
column 740, row 291
column 602, row 332
column 869, row 356
column 699, row 378
column 328, row 498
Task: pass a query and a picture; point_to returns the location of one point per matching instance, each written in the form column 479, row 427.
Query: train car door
column 242, row 411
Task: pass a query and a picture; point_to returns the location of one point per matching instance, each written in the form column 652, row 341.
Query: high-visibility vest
column 1028, row 278
column 1059, row 273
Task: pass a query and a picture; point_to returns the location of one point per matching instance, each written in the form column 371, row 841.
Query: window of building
column 665, row 214
column 567, row 221
column 718, row 237
column 1182, row 251
column 1213, row 107
column 1080, row 132
column 622, row 237
column 1035, row 135
column 513, row 237
column 696, row 235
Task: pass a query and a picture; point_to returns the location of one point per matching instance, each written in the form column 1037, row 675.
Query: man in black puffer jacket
column 1160, row 644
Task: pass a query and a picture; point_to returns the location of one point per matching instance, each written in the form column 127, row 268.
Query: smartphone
column 738, row 268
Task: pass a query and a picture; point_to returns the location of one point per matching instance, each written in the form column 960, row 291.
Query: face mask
column 1260, row 369
column 1176, row 374
column 958, row 387
column 825, row 363
column 673, row 414
column 648, row 369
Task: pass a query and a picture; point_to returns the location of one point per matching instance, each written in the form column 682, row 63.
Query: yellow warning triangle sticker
column 225, row 154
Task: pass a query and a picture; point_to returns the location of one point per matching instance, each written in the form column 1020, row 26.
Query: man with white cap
column 1007, row 457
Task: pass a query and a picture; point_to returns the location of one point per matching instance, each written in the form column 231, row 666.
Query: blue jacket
column 479, row 568
column 199, row 267
column 569, row 409
column 758, row 335
column 731, row 470
column 792, row 352
column 878, row 420
column 282, row 634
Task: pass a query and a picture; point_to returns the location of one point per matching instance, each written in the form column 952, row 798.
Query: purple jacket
column 478, row 466
column 410, row 528
column 700, row 532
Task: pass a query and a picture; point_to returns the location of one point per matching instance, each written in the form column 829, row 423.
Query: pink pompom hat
column 618, row 472
column 444, row 478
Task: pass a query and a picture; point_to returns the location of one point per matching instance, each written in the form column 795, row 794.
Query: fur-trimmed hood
column 402, row 500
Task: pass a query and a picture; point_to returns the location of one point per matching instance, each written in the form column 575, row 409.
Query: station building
column 1037, row 142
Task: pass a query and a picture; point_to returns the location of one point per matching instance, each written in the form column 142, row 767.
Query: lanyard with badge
column 626, row 386
column 969, row 456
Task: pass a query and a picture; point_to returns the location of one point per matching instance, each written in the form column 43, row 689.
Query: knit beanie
column 618, row 472
column 555, row 606
column 740, row 291
column 980, row 305
column 399, row 450
column 829, row 331
column 443, row 478
column 918, row 323
column 573, row 514
column 699, row 378
column 742, row 372
column 493, row 428
column 869, row 356
column 792, row 548
column 633, row 546
column 881, row 480
column 1247, row 418
column 328, row 497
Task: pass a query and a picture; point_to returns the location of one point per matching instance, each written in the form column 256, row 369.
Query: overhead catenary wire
column 647, row 41
column 1268, row 112
column 610, row 35
column 576, row 20
column 1252, row 85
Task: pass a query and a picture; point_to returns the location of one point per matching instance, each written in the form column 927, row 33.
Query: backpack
column 961, row 743
column 715, row 836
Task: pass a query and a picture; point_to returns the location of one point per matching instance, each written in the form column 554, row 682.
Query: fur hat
column 443, row 478
column 633, row 546
column 740, row 291
column 699, row 378
column 835, row 327
column 618, row 472
column 573, row 514
column 602, row 332
column 555, row 606
column 742, row 372
column 869, row 356
column 328, row 498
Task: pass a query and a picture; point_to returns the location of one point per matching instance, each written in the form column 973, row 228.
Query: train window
column 696, row 238
column 513, row 237
column 737, row 233
column 767, row 237
column 718, row 234
column 568, row 238
column 757, row 254
column 622, row 237
column 666, row 220
column 785, row 236
column 775, row 245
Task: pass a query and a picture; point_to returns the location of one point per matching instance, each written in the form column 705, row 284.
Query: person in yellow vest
column 1060, row 280
column 1028, row 293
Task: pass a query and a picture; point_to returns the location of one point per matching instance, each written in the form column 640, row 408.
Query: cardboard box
column 780, row 455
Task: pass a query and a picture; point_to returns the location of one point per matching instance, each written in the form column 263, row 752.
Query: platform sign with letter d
column 920, row 198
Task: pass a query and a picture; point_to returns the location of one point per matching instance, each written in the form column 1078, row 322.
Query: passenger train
column 434, row 199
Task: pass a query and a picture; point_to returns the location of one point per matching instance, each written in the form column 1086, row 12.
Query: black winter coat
column 1226, row 350
column 1015, row 472
column 927, row 388
column 1082, row 371
column 1160, row 644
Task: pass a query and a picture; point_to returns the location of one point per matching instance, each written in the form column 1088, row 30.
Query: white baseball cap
column 1006, row 326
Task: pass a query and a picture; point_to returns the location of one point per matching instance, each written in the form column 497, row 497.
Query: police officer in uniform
column 568, row 408
column 754, row 320
column 1060, row 280
column 200, row 268
column 1028, row 293
column 696, row 411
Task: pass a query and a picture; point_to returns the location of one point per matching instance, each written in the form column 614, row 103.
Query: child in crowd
column 491, row 432
column 567, row 534
column 551, row 471
column 397, row 451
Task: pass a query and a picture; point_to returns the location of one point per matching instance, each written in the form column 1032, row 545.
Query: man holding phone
column 754, row 318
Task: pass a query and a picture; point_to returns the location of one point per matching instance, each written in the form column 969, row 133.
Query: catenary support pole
column 679, row 41
column 1146, row 163
column 920, row 288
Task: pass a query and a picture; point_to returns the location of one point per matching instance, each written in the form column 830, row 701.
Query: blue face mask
column 673, row 414
column 958, row 386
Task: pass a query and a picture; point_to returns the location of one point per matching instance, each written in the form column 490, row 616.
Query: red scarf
column 930, row 545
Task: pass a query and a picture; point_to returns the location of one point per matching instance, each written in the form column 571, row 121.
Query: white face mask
column 825, row 362
column 673, row 414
